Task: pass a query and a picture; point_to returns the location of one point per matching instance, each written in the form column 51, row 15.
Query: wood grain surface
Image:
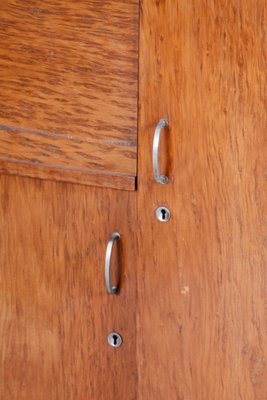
column 68, row 80
column 55, row 313
column 202, row 277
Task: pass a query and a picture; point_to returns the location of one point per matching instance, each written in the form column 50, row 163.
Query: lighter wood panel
column 55, row 313
column 68, row 75
column 202, row 276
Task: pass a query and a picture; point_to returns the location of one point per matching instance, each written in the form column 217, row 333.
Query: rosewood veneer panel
column 202, row 276
column 55, row 312
column 68, row 79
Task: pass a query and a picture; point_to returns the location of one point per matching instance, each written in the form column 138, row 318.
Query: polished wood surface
column 196, row 314
column 55, row 314
column 82, row 176
column 202, row 276
column 68, row 79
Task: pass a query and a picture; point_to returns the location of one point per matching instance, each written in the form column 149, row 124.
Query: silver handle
column 163, row 179
column 112, row 289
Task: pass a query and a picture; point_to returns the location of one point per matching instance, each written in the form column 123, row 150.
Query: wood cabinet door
column 55, row 312
column 68, row 113
column 202, row 276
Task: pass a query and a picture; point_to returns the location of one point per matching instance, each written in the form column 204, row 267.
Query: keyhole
column 163, row 214
column 115, row 339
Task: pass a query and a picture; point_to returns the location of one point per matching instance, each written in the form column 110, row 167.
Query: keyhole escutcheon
column 114, row 340
column 163, row 214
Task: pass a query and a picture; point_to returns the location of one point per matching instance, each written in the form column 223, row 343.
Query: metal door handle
column 163, row 179
column 112, row 289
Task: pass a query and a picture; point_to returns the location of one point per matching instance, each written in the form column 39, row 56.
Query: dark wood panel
column 55, row 314
column 202, row 276
column 56, row 157
column 68, row 74
column 67, row 174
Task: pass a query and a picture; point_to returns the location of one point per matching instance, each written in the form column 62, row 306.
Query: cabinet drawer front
column 68, row 78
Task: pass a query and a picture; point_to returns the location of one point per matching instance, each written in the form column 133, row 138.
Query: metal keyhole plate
column 163, row 214
column 114, row 340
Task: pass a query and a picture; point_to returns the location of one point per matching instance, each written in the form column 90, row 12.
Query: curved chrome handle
column 112, row 289
column 163, row 179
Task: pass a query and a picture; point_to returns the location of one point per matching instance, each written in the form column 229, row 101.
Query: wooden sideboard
column 83, row 86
